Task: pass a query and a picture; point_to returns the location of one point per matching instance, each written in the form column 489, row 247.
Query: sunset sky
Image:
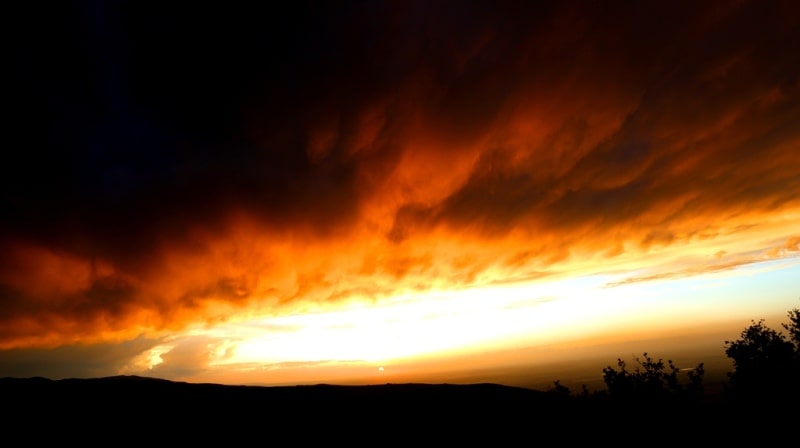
column 333, row 190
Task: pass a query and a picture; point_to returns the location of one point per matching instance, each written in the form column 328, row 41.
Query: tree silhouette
column 766, row 367
column 766, row 362
column 793, row 327
column 652, row 380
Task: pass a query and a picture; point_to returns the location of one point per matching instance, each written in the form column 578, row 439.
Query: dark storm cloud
column 166, row 156
column 133, row 120
column 716, row 98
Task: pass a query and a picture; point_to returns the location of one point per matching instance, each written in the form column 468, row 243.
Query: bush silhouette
column 766, row 367
column 766, row 362
column 650, row 381
column 653, row 380
column 793, row 327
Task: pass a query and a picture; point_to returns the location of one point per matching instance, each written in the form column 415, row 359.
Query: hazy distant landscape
column 573, row 369
column 760, row 355
column 643, row 396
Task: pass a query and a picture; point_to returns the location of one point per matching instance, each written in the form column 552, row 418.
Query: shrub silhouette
column 766, row 362
column 766, row 367
column 650, row 381
column 653, row 380
column 793, row 327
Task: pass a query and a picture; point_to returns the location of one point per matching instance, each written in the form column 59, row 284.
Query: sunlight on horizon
column 501, row 317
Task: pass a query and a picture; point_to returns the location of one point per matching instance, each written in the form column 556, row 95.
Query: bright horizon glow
column 583, row 311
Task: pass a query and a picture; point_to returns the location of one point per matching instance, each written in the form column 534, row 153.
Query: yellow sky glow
column 610, row 305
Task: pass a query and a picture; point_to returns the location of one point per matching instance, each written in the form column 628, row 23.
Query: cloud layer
column 178, row 166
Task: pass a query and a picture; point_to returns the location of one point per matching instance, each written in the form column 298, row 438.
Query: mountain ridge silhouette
column 129, row 404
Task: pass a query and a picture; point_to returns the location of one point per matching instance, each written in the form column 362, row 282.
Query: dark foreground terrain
column 128, row 408
column 133, row 406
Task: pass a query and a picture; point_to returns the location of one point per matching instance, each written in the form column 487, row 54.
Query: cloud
column 187, row 357
column 723, row 262
column 195, row 166
column 73, row 360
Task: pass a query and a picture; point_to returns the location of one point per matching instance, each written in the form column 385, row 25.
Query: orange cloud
column 416, row 150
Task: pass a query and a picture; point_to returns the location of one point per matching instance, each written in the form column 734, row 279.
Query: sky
column 347, row 191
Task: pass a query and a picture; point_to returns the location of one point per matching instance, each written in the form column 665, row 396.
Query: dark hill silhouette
column 644, row 403
column 146, row 389
column 396, row 412
column 448, row 412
